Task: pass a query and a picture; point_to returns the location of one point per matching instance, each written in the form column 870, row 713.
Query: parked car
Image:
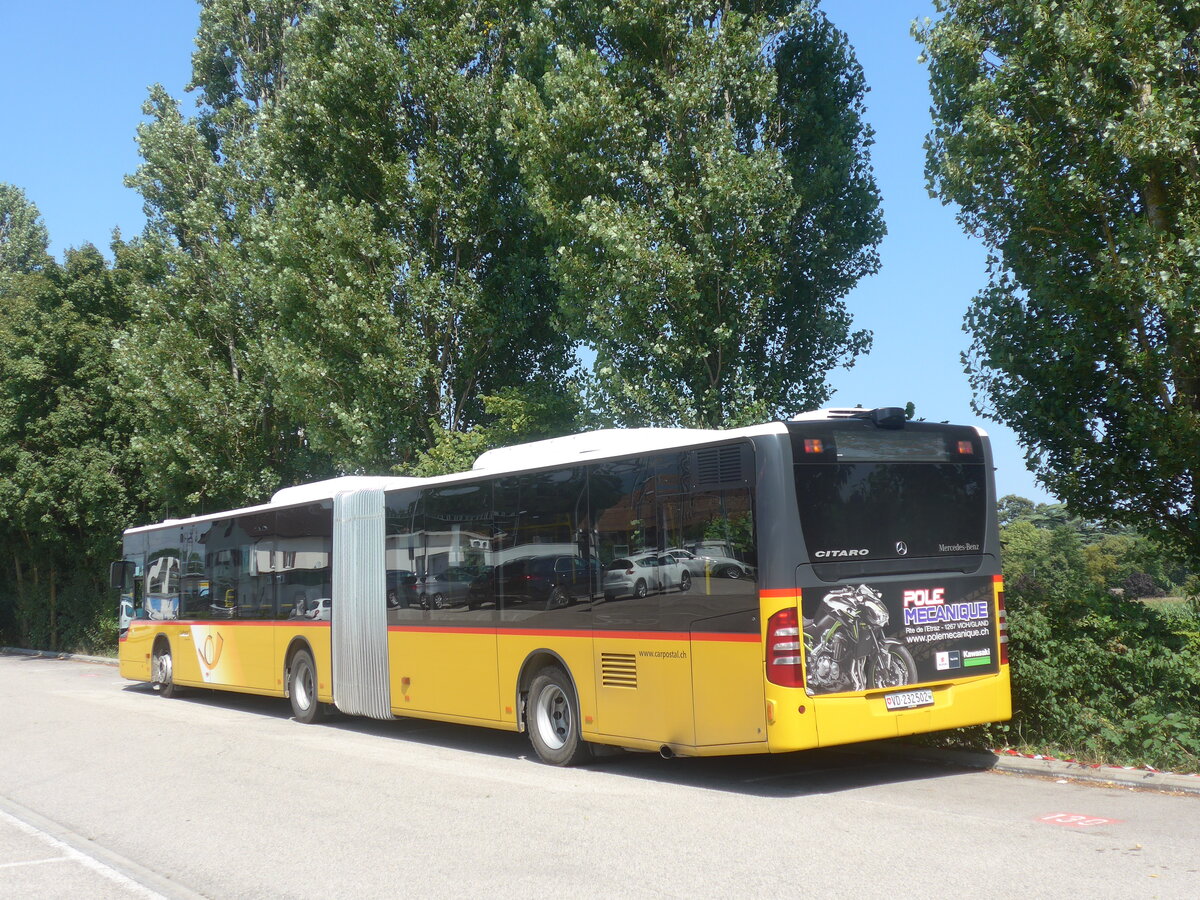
column 450, row 587
column 402, row 590
column 645, row 573
column 713, row 564
column 540, row 582
column 319, row 608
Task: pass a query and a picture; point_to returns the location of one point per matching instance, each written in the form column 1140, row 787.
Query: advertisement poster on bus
column 882, row 635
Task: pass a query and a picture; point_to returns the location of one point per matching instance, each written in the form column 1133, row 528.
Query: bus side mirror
column 121, row 575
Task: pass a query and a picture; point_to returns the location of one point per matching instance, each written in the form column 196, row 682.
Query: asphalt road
column 107, row 790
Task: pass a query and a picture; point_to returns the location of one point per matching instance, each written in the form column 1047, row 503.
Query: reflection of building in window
column 162, row 588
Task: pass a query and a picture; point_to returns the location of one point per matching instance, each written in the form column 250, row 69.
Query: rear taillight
column 784, row 649
column 1002, row 615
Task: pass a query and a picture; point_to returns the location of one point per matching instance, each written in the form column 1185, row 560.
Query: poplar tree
column 340, row 264
column 702, row 169
column 1066, row 133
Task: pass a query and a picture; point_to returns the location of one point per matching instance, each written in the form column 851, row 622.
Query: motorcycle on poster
column 889, row 635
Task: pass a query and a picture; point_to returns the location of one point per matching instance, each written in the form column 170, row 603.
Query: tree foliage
column 23, row 236
column 1047, row 546
column 66, row 487
column 340, row 241
column 1098, row 674
column 1066, row 133
column 702, row 170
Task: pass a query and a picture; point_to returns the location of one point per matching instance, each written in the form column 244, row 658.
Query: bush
column 1101, row 678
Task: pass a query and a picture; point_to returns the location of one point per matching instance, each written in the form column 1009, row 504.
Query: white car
column 712, row 564
column 645, row 573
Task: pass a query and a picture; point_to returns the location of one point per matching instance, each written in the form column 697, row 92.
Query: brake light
column 784, row 649
column 966, row 448
column 1002, row 615
column 813, row 445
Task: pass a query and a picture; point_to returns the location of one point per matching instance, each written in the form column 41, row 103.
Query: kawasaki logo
column 836, row 554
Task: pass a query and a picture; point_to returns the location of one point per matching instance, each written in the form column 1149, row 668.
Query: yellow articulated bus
column 830, row 579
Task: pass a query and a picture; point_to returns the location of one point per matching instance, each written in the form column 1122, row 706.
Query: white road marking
column 34, row 862
column 70, row 853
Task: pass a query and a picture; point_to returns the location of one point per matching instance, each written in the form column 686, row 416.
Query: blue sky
column 74, row 74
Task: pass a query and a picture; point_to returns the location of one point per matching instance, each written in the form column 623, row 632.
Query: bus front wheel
column 552, row 719
column 162, row 671
column 302, row 688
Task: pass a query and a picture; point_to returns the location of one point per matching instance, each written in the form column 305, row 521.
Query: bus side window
column 714, row 534
column 300, row 561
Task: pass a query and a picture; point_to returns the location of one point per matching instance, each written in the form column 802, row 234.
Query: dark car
column 402, row 589
column 536, row 582
column 450, row 587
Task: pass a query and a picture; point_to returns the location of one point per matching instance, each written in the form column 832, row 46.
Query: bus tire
column 162, row 671
column 302, row 688
column 552, row 719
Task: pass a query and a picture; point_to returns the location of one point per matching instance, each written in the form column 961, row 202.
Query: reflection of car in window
column 402, row 589
column 320, row 609
column 640, row 575
column 712, row 564
column 542, row 582
column 449, row 587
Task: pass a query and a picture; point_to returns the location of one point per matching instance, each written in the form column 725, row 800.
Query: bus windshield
column 866, row 493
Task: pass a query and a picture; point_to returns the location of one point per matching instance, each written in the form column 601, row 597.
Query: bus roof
column 589, row 445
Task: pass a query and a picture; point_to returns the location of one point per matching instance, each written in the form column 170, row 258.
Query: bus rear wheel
column 552, row 719
column 162, row 671
column 302, row 688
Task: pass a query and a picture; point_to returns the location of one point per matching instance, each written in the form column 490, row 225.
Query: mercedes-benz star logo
column 902, row 548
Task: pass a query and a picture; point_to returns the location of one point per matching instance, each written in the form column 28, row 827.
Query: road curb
column 51, row 654
column 1044, row 767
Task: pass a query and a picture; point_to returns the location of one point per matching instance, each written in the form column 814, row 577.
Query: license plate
column 909, row 699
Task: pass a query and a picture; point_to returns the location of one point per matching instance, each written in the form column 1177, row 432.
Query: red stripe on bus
column 242, row 623
column 720, row 636
column 997, row 579
column 735, row 637
column 433, row 629
column 779, row 593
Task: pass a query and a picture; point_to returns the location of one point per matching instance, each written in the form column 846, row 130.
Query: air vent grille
column 618, row 670
column 720, row 465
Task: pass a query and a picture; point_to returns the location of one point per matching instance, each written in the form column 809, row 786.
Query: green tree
column 1066, row 133
column 64, row 466
column 24, row 240
column 399, row 141
column 340, row 263
column 702, row 171
column 1013, row 508
column 209, row 423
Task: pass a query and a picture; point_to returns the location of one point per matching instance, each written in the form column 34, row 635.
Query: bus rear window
column 869, row 494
